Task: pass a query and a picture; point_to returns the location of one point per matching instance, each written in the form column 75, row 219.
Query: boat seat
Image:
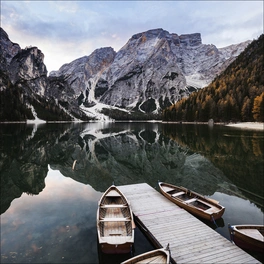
column 168, row 189
column 191, row 200
column 177, row 194
column 115, row 219
column 117, row 240
column 113, row 193
column 113, row 206
column 116, row 234
column 210, row 210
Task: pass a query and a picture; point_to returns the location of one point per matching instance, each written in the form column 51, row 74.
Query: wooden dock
column 191, row 241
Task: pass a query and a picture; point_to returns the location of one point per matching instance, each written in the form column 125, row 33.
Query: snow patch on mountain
column 95, row 112
column 153, row 70
column 234, row 50
column 36, row 120
column 196, row 81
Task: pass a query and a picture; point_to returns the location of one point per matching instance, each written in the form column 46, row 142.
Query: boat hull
column 158, row 256
column 245, row 241
column 116, row 249
column 201, row 207
column 115, row 225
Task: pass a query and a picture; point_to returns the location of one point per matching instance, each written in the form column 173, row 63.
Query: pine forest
column 235, row 95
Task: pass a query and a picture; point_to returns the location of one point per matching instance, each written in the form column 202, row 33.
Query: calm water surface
column 48, row 210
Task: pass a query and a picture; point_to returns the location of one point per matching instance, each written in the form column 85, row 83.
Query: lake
column 48, row 210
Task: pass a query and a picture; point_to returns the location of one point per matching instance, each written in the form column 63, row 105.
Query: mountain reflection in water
column 223, row 163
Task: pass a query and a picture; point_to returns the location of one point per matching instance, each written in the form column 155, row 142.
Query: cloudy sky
column 67, row 30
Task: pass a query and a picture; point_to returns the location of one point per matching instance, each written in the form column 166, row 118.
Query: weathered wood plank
column 171, row 226
column 180, row 227
column 200, row 238
column 191, row 241
column 220, row 258
column 190, row 249
column 185, row 241
column 199, row 256
column 225, row 258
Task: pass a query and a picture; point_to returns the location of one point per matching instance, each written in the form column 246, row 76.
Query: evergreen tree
column 235, row 95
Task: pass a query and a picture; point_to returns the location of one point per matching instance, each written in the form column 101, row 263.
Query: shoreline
column 241, row 125
column 247, row 125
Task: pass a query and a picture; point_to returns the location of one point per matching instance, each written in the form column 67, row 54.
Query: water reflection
column 223, row 163
column 238, row 153
column 199, row 158
column 136, row 154
column 44, row 228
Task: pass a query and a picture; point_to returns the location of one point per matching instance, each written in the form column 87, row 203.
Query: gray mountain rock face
column 24, row 82
column 144, row 74
column 23, row 65
column 153, row 70
column 75, row 80
column 28, row 66
column 8, row 50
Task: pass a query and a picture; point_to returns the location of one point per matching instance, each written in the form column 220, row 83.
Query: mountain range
column 236, row 95
column 152, row 71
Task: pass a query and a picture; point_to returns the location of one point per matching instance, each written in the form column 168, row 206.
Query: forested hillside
column 235, row 95
column 15, row 103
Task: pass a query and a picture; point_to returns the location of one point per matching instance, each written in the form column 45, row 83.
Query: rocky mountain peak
column 8, row 50
column 77, row 75
column 183, row 40
column 191, row 39
column 103, row 55
column 27, row 65
column 23, row 65
column 88, row 64
column 152, row 33
column 153, row 70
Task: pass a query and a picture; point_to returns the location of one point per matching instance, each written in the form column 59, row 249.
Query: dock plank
column 200, row 255
column 191, row 241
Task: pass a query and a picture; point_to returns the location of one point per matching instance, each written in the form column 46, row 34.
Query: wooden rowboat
column 158, row 256
column 192, row 202
column 115, row 225
column 248, row 236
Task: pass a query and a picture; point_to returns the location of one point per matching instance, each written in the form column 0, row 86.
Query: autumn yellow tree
column 258, row 108
column 246, row 108
column 235, row 95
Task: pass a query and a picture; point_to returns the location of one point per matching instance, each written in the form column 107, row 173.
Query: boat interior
column 253, row 232
column 114, row 216
column 188, row 197
column 154, row 257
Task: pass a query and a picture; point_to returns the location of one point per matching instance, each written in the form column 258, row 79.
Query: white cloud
column 65, row 6
column 67, row 30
